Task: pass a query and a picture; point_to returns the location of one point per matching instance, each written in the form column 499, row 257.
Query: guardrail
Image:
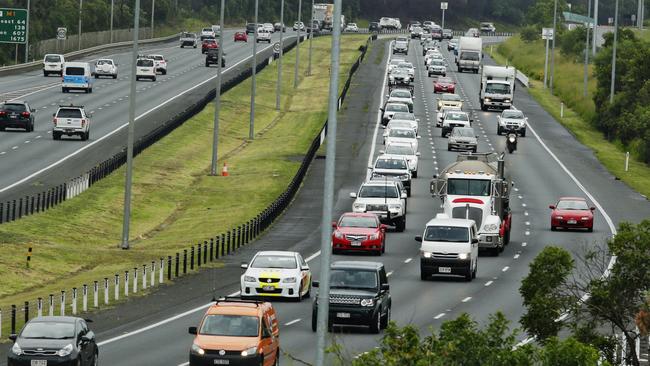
column 523, row 79
column 107, row 291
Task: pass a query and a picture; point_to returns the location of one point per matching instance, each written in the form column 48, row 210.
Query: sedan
column 437, row 67
column 572, row 212
column 390, row 109
column 241, row 37
column 208, row 44
column 16, row 115
column 276, row 274
column 357, row 231
column 444, row 85
column 462, row 138
column 402, row 135
column 352, row 27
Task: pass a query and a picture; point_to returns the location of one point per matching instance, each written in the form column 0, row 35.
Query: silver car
column 462, row 138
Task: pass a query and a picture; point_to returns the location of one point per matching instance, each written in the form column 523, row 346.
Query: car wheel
column 207, row 64
column 64, row 90
column 498, row 131
column 115, row 76
column 474, row 150
column 299, row 297
column 475, row 269
column 137, row 78
column 375, row 326
column 468, row 275
column 95, row 359
column 90, row 91
column 386, row 320
column 553, row 228
column 415, row 174
column 308, row 293
column 483, row 107
column 31, row 127
column 55, row 136
column 313, row 321
column 153, row 79
column 383, row 246
column 45, row 73
column 401, row 224
column 96, row 76
column 448, row 147
column 424, row 275
column 182, row 46
column 590, row 229
column 523, row 133
column 443, row 133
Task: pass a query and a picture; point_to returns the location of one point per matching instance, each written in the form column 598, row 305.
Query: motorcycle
column 511, row 142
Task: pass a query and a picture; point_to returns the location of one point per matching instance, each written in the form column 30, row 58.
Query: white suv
column 263, row 35
column 386, row 198
column 160, row 63
column 453, row 119
column 400, row 149
column 53, row 64
column 105, row 67
column 145, row 69
column 71, row 120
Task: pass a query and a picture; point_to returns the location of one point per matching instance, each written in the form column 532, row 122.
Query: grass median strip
column 176, row 203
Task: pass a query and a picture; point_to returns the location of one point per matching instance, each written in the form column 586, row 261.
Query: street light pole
column 311, row 37
column 586, row 70
column 112, row 9
column 297, row 66
column 553, row 46
column 131, row 128
column 79, row 30
column 611, row 88
column 443, row 18
column 328, row 191
column 217, row 98
column 278, row 91
column 251, row 130
column 153, row 8
column 595, row 35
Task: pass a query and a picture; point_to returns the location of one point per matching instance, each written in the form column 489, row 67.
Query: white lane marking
column 14, row 148
column 525, row 213
column 38, row 137
column 488, row 283
column 2, row 153
column 466, row 299
column 374, row 135
column 523, row 205
column 524, row 244
column 516, row 256
column 88, row 146
column 505, row 269
column 439, row 316
column 527, row 232
column 27, row 141
column 311, row 257
column 527, row 223
column 292, row 322
column 407, row 260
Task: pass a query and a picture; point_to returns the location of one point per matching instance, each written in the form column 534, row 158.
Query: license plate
column 356, row 244
column 268, row 288
column 444, row 269
column 572, row 222
column 13, row 116
column 222, row 362
column 343, row 315
column 38, row 363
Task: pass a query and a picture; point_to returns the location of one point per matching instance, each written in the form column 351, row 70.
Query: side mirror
column 244, row 266
column 417, row 120
column 383, row 227
column 370, row 167
column 314, row 284
column 13, row 337
column 353, row 195
column 592, row 208
column 385, row 287
column 304, row 268
column 418, row 238
column 404, row 195
column 86, row 338
column 382, row 110
column 474, row 241
column 334, row 225
column 192, row 330
column 417, row 153
column 53, row 114
column 552, row 207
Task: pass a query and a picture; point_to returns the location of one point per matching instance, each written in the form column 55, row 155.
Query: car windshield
column 358, row 221
column 397, row 108
column 157, row 57
column 497, row 88
column 104, row 62
column 456, row 116
column 401, row 39
column 400, row 150
column 572, row 205
column 468, row 187
column 230, row 325
column 48, row 330
column 145, row 63
column 188, row 35
column 400, row 94
column 74, row 71
column 451, row 97
column 438, row 62
column 399, row 124
column 274, row 261
column 207, row 30
column 353, row 278
column 403, row 133
column 463, row 132
column 13, row 107
column 417, row 29
column 404, row 116
column 445, row 81
column 447, row 234
column 390, row 164
column 512, row 114
column 52, row 58
column 405, row 65
column 210, row 41
column 378, row 192
column 470, row 56
column 69, row 113
column 396, row 62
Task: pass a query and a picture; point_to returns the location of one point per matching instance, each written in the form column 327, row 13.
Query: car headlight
column 367, row 302
column 65, row 351
column 559, row 217
column 359, row 207
column 249, row 279
column 394, row 207
column 374, row 236
column 584, row 218
column 404, row 177
column 197, row 350
column 488, row 99
column 426, row 254
column 507, row 100
column 377, row 175
column 463, row 255
column 339, row 235
column 491, row 227
column 16, row 349
column 249, row 351
column 289, row 280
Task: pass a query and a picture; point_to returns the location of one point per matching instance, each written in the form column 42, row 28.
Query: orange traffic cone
column 224, row 171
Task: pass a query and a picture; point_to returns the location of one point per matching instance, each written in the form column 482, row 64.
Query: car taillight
column 3, row 113
column 25, row 114
column 54, row 121
column 83, row 123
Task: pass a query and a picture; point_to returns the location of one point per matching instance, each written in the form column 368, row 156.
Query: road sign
column 443, row 6
column 633, row 17
column 13, row 25
column 276, row 47
column 61, row 33
column 547, row 33
column 610, row 21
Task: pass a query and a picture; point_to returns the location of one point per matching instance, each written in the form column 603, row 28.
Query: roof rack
column 238, row 300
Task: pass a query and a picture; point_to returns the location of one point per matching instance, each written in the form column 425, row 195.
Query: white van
column 53, row 64
column 77, row 76
column 449, row 247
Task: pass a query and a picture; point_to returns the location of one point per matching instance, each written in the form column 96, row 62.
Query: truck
column 476, row 187
column 469, row 54
column 324, row 14
column 390, row 23
column 497, row 88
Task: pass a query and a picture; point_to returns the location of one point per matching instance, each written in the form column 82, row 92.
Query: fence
column 109, row 289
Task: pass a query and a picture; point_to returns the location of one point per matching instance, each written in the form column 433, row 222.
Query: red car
column 444, row 85
column 359, row 232
column 241, row 36
column 572, row 212
column 209, row 43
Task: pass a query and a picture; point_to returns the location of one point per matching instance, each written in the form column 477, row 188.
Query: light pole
column 611, row 87
column 79, row 31
column 112, row 9
column 443, row 7
column 553, row 46
column 586, row 71
column 217, row 98
column 328, row 191
column 278, row 91
column 27, row 35
column 595, row 35
column 153, row 8
column 311, row 37
column 131, row 127
column 297, row 66
column 251, row 130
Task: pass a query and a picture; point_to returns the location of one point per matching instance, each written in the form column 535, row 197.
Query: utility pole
column 79, row 30
column 553, row 46
column 217, row 98
column 278, row 91
column 311, row 37
column 251, row 130
column 585, row 92
column 328, row 191
column 112, row 10
column 297, row 66
column 153, row 8
column 26, row 35
column 131, row 128
column 546, row 64
column 594, row 40
column 611, row 88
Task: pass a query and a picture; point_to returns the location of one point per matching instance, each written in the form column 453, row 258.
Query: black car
column 212, row 58
column 374, row 27
column 54, row 340
column 251, row 28
column 16, row 115
column 359, row 296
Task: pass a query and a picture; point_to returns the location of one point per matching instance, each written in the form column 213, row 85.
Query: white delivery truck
column 469, row 54
column 497, row 88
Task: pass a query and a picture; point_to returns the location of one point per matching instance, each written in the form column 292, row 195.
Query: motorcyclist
column 511, row 142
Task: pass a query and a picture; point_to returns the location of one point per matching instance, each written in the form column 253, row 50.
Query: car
column 212, row 58
column 276, row 274
column 359, row 295
column 188, row 39
column 444, row 85
column 405, row 135
column 399, row 76
column 436, row 34
column 390, row 109
column 416, row 32
column 447, row 34
column 351, row 27
column 209, row 43
column 413, row 25
column 145, row 69
column 397, row 124
column 572, row 213
column 425, row 37
column 241, row 37
column 433, row 54
column 442, row 112
column 279, row 27
column 473, row 32
column 263, row 36
column 299, row 26
column 429, row 45
column 487, row 27
column 462, row 138
column 401, row 45
column 236, row 332
column 251, row 28
column 358, row 232
column 160, row 63
column 207, row 32
column 374, row 27
column 453, row 119
column 105, row 67
column 77, row 76
column 54, row 340
column 217, row 30
column 71, row 120
column 53, row 64
column 404, row 120
column 452, row 44
column 16, row 114
column 410, row 69
column 437, row 67
column 393, row 167
column 512, row 121
column 401, row 96
column 450, row 100
column 428, row 24
column 268, row 27
column 385, row 198
column 405, row 150
column 392, row 64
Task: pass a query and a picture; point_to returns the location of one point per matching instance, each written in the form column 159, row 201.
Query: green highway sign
column 13, row 25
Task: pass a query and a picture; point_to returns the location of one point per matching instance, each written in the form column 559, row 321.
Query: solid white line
column 376, row 132
column 439, row 316
column 292, row 322
column 466, row 299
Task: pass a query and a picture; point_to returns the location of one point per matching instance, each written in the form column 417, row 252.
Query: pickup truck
column 188, row 39
column 71, row 120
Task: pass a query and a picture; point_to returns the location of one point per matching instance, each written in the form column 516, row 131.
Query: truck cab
column 469, row 54
column 497, row 87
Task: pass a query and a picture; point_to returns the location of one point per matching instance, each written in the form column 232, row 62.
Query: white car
column 401, row 96
column 160, row 63
column 299, row 25
column 450, row 100
column 395, row 167
column 393, row 63
column 268, row 27
column 145, row 69
column 512, row 120
column 454, row 119
column 437, row 67
column 390, row 109
column 71, row 120
column 410, row 69
column 406, row 151
column 441, row 114
column 403, row 135
column 407, row 118
column 208, row 32
column 53, row 64
column 276, row 274
column 105, row 67
column 263, row 35
column 384, row 197
column 351, row 27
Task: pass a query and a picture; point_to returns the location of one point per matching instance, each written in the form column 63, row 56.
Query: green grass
column 578, row 111
column 175, row 201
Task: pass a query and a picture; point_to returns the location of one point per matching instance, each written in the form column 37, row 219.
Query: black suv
column 374, row 27
column 213, row 58
column 16, row 115
column 359, row 296
column 251, row 28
